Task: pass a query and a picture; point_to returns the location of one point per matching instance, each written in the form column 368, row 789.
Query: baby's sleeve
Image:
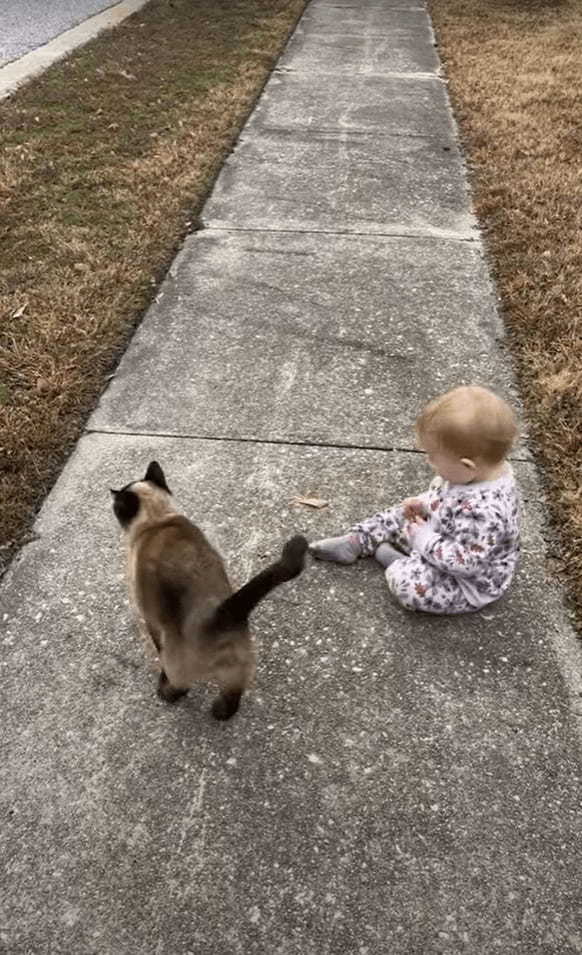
column 467, row 554
column 429, row 495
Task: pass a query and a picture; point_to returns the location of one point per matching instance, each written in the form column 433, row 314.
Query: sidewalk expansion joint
column 346, row 132
column 413, row 234
column 363, row 73
column 287, row 442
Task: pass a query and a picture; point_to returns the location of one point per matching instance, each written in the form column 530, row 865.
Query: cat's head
column 147, row 499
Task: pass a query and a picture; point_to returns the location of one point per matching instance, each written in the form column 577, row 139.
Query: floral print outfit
column 463, row 557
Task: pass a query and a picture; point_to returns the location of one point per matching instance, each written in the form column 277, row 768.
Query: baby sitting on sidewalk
column 454, row 548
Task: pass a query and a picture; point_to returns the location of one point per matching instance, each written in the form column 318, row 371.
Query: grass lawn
column 105, row 161
column 515, row 77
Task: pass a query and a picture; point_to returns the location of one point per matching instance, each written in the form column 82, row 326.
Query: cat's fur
column 184, row 599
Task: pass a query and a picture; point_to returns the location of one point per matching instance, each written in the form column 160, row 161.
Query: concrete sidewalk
column 395, row 785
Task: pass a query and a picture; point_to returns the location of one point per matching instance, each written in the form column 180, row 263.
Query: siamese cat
column 184, row 599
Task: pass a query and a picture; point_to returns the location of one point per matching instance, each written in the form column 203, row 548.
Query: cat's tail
column 235, row 610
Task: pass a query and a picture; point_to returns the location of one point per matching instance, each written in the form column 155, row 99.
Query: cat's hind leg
column 234, row 672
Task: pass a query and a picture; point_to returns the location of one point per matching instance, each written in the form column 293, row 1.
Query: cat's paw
column 225, row 706
column 167, row 692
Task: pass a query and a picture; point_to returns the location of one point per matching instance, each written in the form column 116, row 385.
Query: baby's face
column 448, row 465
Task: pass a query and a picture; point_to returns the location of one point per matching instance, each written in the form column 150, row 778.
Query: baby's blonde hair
column 470, row 422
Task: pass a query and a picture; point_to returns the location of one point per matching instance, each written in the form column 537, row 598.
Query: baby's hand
column 413, row 526
column 413, row 508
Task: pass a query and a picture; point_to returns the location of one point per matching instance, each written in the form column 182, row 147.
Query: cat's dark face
column 129, row 501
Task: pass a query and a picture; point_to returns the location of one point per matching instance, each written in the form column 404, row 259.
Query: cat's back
column 175, row 555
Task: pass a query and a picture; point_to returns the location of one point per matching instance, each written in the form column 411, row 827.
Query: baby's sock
column 385, row 554
column 343, row 550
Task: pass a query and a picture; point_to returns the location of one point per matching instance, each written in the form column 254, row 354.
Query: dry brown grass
column 515, row 75
column 105, row 162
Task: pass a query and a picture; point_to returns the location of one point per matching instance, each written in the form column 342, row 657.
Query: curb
column 19, row 71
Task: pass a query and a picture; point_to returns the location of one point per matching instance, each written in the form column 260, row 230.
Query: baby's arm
column 447, row 553
column 419, row 505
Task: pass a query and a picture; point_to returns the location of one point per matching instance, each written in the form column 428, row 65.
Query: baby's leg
column 364, row 539
column 342, row 550
column 385, row 554
column 386, row 527
column 417, row 585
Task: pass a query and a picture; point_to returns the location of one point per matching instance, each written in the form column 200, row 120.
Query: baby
column 454, row 548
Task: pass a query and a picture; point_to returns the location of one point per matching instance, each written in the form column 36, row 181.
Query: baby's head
column 466, row 433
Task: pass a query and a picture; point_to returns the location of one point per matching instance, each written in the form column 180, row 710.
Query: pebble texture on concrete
column 395, row 783
column 255, row 325
column 392, row 777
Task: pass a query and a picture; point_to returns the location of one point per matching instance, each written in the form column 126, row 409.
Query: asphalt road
column 28, row 24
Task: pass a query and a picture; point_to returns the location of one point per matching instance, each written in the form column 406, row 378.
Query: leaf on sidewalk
column 316, row 502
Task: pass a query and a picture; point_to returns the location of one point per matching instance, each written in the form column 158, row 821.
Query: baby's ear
column 469, row 463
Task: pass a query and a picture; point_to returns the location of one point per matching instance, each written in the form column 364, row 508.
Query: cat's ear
column 125, row 505
column 156, row 476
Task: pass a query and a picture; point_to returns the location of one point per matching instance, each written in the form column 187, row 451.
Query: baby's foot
column 343, row 550
column 385, row 554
